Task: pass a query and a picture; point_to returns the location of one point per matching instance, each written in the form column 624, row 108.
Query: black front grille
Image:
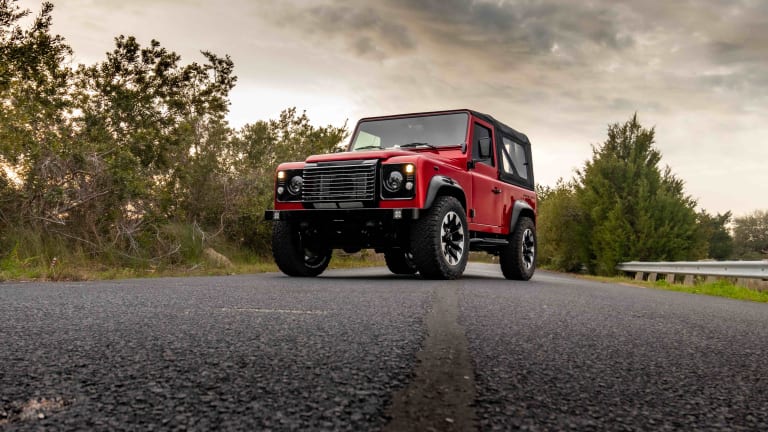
column 340, row 182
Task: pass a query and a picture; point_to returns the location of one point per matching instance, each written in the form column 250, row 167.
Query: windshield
column 442, row 130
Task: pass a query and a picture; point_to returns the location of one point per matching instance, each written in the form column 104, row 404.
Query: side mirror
column 484, row 148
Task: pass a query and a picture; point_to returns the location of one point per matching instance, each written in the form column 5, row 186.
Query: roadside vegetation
column 128, row 166
column 622, row 205
column 720, row 288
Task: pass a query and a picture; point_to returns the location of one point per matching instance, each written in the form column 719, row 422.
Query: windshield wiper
column 367, row 147
column 417, row 144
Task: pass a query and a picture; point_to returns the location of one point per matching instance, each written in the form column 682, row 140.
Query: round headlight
column 394, row 181
column 295, row 185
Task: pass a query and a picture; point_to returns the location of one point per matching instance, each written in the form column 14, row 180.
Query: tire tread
column 511, row 256
column 425, row 241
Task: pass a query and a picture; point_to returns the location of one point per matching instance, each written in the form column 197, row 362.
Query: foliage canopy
column 108, row 158
column 621, row 206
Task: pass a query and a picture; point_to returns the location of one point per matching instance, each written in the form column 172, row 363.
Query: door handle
column 496, row 190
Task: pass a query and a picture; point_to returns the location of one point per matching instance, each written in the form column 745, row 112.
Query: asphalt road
column 365, row 350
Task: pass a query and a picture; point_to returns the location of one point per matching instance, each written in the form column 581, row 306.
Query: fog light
column 276, row 215
column 409, row 186
column 397, row 214
column 280, row 190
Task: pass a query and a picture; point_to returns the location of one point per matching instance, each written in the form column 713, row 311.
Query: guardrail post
column 652, row 277
column 688, row 280
column 671, row 278
column 710, row 279
column 639, row 276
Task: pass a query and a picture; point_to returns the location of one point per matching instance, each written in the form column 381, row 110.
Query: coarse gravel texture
column 259, row 352
column 267, row 352
column 558, row 353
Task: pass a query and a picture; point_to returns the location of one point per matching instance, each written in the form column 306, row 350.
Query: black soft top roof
column 526, row 181
column 501, row 126
column 497, row 124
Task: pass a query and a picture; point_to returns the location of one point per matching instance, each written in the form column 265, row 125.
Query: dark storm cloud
column 364, row 30
column 394, row 27
column 623, row 55
column 533, row 26
column 561, row 32
column 715, row 33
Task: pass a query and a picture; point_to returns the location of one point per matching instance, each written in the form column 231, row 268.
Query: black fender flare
column 438, row 182
column 517, row 210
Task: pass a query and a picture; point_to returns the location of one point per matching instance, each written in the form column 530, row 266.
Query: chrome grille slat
column 350, row 182
column 323, row 190
column 349, row 171
column 354, row 177
column 337, row 183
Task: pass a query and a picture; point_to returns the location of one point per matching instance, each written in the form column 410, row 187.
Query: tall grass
column 177, row 249
column 721, row 288
column 30, row 255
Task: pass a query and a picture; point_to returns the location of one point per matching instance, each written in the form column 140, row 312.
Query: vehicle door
column 486, row 206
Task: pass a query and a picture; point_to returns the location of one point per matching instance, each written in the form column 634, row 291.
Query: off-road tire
column 440, row 236
column 399, row 261
column 292, row 257
column 518, row 259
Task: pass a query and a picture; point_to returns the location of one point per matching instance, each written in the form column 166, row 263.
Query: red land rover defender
column 424, row 189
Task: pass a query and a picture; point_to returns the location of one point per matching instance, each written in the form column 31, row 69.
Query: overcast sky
column 557, row 70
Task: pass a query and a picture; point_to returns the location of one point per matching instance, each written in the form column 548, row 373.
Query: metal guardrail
column 734, row 269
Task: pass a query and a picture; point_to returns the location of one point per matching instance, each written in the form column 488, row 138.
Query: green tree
column 714, row 232
column 559, row 217
column 35, row 115
column 632, row 210
column 255, row 152
column 119, row 158
column 147, row 123
column 750, row 235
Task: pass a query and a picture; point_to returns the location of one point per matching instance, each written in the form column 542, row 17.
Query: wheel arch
column 521, row 209
column 441, row 186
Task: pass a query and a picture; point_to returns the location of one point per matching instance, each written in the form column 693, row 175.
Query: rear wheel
column 518, row 259
column 440, row 240
column 292, row 256
column 399, row 261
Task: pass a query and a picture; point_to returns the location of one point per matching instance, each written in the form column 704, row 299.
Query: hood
column 359, row 155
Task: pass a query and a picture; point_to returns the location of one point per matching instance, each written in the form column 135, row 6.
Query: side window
column 514, row 159
column 481, row 132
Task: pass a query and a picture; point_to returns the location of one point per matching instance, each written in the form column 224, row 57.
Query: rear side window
column 514, row 160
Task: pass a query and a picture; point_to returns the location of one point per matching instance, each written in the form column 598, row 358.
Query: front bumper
column 317, row 215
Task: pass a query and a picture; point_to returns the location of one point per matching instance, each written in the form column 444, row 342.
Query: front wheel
column 518, row 259
column 292, row 256
column 440, row 240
